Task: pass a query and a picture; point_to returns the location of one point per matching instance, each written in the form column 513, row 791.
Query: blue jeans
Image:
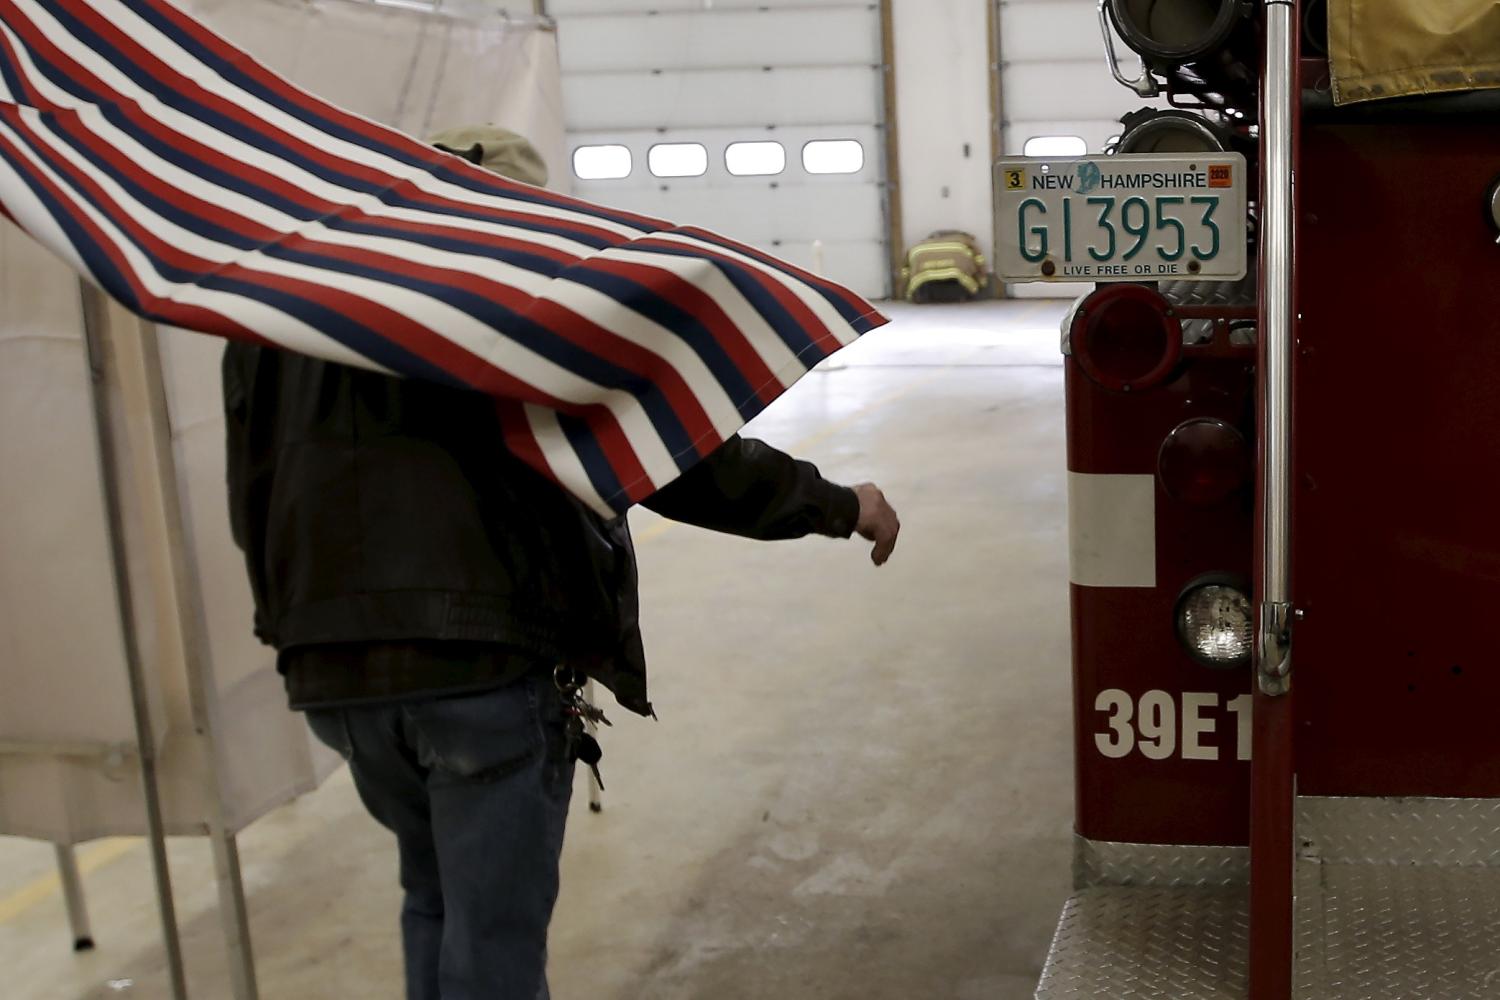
column 476, row 790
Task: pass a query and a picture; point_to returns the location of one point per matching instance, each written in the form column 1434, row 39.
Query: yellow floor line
column 90, row 859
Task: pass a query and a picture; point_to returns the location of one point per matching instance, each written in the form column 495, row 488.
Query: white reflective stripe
column 1112, row 530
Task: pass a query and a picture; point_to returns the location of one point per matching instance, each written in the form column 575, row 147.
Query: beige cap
column 502, row 151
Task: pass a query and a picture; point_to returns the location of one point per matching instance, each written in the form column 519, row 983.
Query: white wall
column 943, row 103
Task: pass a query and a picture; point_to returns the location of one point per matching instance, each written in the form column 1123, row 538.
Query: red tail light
column 1126, row 338
column 1204, row 462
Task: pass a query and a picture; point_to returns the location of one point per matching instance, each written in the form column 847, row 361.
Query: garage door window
column 1055, row 145
column 601, row 163
column 678, row 159
column 755, row 159
column 833, row 156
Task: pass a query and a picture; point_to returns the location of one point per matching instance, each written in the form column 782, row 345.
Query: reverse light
column 1203, row 462
column 1215, row 623
column 1126, row 337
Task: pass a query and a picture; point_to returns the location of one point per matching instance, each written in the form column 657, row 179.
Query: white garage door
column 1054, row 80
column 760, row 119
column 1056, row 89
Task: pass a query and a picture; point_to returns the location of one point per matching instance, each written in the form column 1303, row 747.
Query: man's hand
column 877, row 522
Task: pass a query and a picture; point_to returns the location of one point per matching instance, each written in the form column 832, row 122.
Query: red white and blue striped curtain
column 203, row 191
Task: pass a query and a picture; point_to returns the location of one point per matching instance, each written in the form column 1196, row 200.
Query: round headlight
column 1215, row 623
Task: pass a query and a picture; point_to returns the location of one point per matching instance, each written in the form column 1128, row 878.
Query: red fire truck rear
column 1283, row 405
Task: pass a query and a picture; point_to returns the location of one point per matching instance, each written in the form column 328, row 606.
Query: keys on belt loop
column 580, row 717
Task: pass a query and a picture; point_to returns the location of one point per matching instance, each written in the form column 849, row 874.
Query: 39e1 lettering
column 1160, row 726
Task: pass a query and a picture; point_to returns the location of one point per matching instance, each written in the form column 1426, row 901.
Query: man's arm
column 748, row 488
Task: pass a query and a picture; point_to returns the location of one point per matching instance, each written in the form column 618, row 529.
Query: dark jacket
column 373, row 509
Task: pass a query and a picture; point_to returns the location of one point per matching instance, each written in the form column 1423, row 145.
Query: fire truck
column 1283, row 410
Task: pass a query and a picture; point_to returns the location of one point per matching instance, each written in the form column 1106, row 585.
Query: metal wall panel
column 642, row 74
column 1064, row 90
column 1094, row 131
column 566, row 8
column 1035, row 31
column 783, row 213
column 1055, row 76
column 705, row 99
column 751, row 39
column 766, row 215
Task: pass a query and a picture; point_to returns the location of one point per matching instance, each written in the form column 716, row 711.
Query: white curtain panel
column 63, row 680
column 418, row 72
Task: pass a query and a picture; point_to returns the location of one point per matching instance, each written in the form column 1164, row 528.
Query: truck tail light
column 1126, row 337
column 1215, row 623
column 1203, row 462
column 1173, row 32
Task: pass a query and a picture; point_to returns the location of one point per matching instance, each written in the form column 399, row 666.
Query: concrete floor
column 860, row 786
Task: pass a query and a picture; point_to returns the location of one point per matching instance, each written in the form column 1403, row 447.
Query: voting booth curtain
column 69, row 766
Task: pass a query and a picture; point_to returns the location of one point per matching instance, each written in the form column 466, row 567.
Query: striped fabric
column 203, row 191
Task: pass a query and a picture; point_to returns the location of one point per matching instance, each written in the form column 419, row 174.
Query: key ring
column 566, row 681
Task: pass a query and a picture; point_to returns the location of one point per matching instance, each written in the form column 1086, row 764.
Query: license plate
column 1132, row 217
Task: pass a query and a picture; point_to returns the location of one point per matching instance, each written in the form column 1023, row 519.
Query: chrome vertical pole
column 1278, row 191
column 72, row 887
column 95, row 319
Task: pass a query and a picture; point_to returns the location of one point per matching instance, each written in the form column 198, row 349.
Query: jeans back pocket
column 479, row 737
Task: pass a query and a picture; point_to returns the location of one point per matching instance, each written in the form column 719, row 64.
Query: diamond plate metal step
column 1397, row 932
column 1396, row 899
column 1146, row 943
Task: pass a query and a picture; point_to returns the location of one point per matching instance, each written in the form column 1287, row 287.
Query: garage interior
column 861, row 781
column 860, row 785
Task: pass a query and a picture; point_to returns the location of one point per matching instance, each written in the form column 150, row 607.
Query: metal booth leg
column 143, row 354
column 94, row 325
column 233, row 915
column 72, row 886
column 192, row 624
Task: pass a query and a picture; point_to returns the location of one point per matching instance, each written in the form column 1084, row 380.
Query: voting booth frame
column 136, row 702
column 1284, row 541
column 110, row 348
column 124, row 356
